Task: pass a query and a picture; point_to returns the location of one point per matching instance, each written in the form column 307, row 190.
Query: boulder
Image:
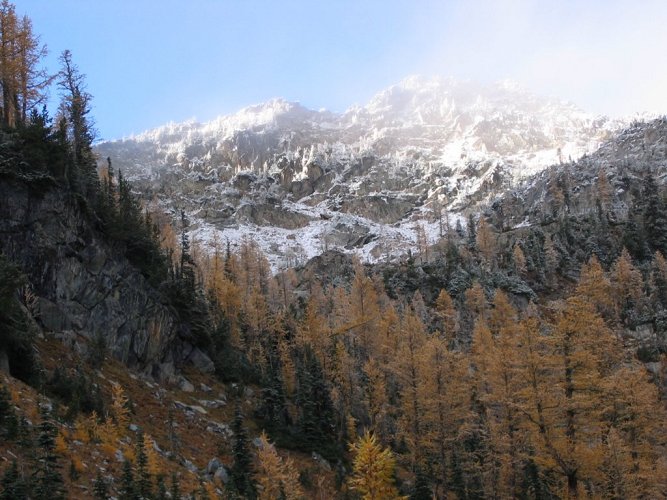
column 221, row 476
column 213, row 465
column 201, row 361
column 185, row 385
column 324, row 463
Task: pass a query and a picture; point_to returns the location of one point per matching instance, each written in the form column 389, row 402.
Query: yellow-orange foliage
column 373, row 470
column 595, row 287
column 446, row 313
column 627, row 284
column 61, row 444
column 276, row 477
column 519, row 259
column 119, row 409
column 152, row 457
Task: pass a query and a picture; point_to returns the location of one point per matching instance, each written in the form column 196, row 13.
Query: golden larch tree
column 276, row 477
column 595, row 287
column 486, row 241
column 627, row 284
column 373, row 470
column 446, row 315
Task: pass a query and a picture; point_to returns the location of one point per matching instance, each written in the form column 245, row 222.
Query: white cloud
column 606, row 56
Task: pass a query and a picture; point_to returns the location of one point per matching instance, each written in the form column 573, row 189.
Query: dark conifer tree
column 144, row 486
column 100, row 487
column 472, row 232
column 422, row 489
column 48, row 480
column 274, row 400
column 316, row 419
column 8, row 420
column 634, row 237
column 128, row 490
column 659, row 283
column 24, row 433
column 655, row 216
column 76, row 107
column 532, row 485
column 161, row 488
column 241, row 475
column 175, row 489
column 73, row 473
column 16, row 336
column 13, row 484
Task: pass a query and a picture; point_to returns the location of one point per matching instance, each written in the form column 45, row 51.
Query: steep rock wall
column 83, row 287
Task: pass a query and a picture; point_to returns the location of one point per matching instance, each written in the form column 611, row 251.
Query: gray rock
column 257, row 443
column 654, row 368
column 190, row 466
column 204, row 388
column 219, row 428
column 321, row 460
column 190, row 409
column 221, row 475
column 185, row 385
column 212, row 403
column 197, row 409
column 201, row 361
column 134, row 427
column 120, row 457
column 213, row 465
column 84, row 286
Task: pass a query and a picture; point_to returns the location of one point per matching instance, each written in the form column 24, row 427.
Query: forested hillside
column 521, row 355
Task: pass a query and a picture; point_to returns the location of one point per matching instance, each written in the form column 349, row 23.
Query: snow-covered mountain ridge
column 368, row 180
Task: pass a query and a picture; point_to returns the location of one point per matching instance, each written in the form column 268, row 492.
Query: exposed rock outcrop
column 82, row 285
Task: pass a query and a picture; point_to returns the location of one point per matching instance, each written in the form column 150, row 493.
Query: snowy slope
column 299, row 181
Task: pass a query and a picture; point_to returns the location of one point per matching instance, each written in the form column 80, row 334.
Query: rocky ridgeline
column 357, row 181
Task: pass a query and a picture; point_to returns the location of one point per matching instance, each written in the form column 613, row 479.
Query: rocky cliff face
column 82, row 287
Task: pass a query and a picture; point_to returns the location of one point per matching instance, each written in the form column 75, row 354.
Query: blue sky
column 152, row 61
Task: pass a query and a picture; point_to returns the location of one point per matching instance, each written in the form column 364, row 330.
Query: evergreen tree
column 8, row 420
column 73, row 473
column 48, row 481
column 532, row 484
column 161, row 488
column 144, row 486
column 15, row 334
column 13, row 485
column 274, row 400
column 242, row 469
column 654, row 216
column 128, row 489
column 175, row 489
column 76, row 108
column 659, row 281
column 100, row 487
column 422, row 488
column 471, row 231
column 316, row 418
column 634, row 236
